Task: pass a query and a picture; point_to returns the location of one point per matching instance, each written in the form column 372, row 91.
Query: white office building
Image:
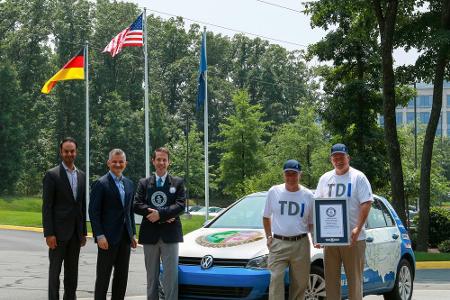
column 424, row 100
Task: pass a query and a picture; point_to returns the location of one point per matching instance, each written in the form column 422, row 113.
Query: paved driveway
column 24, row 268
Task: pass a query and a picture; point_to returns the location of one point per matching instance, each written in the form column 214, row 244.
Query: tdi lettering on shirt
column 293, row 208
column 290, row 212
column 340, row 189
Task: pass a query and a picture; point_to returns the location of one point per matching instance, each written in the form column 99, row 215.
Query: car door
column 383, row 248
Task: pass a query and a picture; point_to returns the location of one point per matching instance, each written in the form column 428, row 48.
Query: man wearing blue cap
column 346, row 182
column 287, row 220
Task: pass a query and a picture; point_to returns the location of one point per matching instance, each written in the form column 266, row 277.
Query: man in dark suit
column 161, row 199
column 64, row 219
column 112, row 220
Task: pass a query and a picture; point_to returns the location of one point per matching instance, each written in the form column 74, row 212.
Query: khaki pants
column 296, row 255
column 353, row 260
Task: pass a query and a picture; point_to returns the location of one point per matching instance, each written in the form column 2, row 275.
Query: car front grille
column 211, row 292
column 223, row 262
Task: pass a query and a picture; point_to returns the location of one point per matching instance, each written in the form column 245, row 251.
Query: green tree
column 11, row 129
column 242, row 145
column 361, row 48
column 189, row 151
column 24, row 31
column 119, row 127
column 303, row 140
column 439, row 184
column 433, row 65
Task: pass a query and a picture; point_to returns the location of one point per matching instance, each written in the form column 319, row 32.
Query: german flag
column 74, row 69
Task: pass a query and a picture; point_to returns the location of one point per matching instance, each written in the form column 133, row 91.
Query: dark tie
column 160, row 182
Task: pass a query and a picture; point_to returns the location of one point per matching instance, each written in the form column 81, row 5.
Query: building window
column 399, row 118
column 424, row 117
column 439, row 127
column 411, row 103
column 448, row 102
column 409, row 117
column 424, row 101
column 381, row 121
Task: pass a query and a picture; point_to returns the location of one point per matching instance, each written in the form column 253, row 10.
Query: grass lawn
column 27, row 212
column 28, row 204
column 21, row 218
column 425, row 256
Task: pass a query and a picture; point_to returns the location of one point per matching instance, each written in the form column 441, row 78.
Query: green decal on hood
column 229, row 238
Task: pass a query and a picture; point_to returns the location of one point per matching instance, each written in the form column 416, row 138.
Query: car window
column 387, row 216
column 247, row 213
column 376, row 216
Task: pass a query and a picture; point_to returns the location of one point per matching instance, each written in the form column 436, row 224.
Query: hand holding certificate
column 331, row 225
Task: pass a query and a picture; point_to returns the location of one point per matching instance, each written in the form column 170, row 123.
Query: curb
column 420, row 265
column 27, row 228
column 425, row 265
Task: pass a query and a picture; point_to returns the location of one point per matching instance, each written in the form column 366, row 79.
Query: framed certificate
column 331, row 225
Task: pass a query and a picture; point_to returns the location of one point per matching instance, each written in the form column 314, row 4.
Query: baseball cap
column 292, row 165
column 339, row 148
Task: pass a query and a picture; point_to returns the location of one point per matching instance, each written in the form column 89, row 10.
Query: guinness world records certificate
column 331, row 223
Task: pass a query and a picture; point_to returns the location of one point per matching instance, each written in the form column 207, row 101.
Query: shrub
column 444, row 246
column 439, row 225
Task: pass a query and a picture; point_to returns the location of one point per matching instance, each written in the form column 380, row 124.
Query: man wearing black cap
column 287, row 220
column 346, row 182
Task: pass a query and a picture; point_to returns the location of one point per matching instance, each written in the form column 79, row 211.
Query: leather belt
column 290, row 238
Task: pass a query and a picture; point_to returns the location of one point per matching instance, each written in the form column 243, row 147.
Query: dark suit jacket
column 108, row 216
column 62, row 215
column 150, row 233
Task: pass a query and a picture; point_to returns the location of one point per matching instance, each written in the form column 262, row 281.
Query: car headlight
column 259, row 262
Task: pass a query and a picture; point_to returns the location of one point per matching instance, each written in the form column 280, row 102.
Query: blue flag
column 201, row 77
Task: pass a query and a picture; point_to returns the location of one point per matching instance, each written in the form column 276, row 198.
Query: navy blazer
column 62, row 214
column 109, row 217
column 150, row 233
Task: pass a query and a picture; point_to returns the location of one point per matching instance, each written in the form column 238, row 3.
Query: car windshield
column 210, row 209
column 247, row 213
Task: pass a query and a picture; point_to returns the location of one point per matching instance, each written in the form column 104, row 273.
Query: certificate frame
column 340, row 218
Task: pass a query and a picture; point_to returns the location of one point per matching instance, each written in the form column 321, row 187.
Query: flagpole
column 205, row 124
column 86, row 76
column 147, row 130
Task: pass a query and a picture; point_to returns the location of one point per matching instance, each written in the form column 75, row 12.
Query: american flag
column 129, row 37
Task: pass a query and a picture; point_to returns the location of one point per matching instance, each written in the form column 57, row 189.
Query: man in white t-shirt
column 346, row 182
column 287, row 220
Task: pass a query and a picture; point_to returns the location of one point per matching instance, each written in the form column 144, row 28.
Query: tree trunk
column 427, row 149
column 386, row 22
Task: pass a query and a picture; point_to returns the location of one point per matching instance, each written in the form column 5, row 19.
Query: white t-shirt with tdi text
column 290, row 212
column 352, row 185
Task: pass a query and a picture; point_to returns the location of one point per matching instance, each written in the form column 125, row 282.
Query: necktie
column 160, row 182
column 121, row 191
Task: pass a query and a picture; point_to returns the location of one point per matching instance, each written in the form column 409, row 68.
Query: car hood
column 230, row 243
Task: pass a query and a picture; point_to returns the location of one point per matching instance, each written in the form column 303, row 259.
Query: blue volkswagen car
column 227, row 258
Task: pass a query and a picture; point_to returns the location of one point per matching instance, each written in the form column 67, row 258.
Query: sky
column 287, row 26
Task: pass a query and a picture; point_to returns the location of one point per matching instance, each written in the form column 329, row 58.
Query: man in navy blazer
column 112, row 220
column 160, row 199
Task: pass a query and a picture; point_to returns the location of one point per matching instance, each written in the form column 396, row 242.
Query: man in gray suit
column 64, row 219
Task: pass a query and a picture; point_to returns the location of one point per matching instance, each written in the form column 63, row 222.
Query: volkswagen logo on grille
column 206, row 262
